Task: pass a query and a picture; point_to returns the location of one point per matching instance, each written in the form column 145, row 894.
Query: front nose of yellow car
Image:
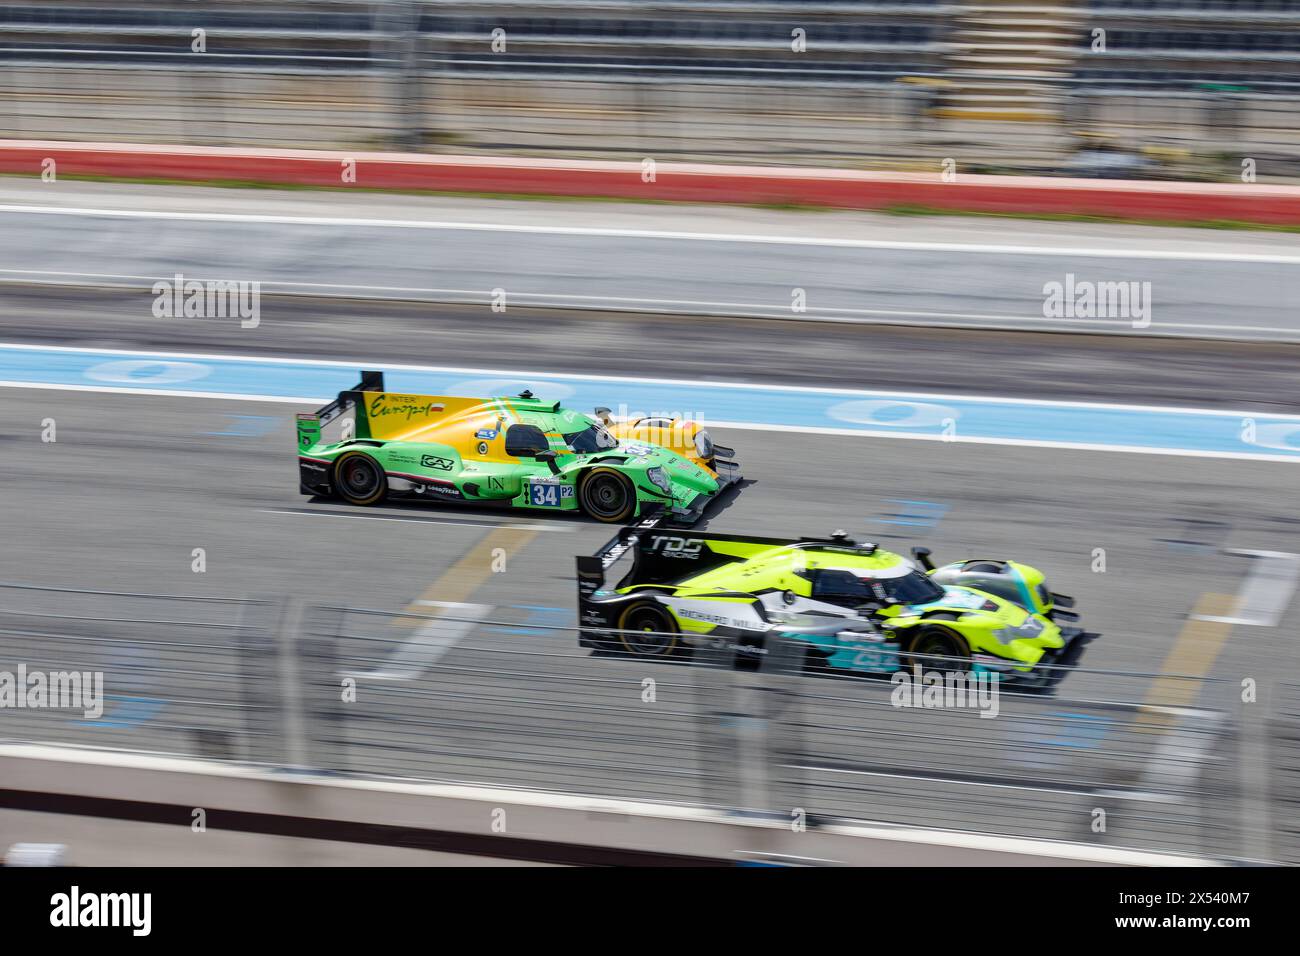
column 1029, row 638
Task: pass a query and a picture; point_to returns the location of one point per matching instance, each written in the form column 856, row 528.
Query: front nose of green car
column 658, row 477
column 681, row 478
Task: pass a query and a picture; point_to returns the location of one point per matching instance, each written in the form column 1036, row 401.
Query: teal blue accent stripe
column 907, row 415
column 1030, row 604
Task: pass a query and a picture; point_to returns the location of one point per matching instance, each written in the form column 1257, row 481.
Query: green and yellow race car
column 853, row 607
column 521, row 451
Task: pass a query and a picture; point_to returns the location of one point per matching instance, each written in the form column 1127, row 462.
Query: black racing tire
column 359, row 480
column 607, row 496
column 649, row 618
column 939, row 641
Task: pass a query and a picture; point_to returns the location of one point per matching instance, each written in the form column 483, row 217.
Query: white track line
column 431, row 642
column 1266, row 592
column 595, row 231
column 453, row 522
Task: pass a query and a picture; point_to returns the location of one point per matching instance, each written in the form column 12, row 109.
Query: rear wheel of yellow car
column 359, row 480
column 938, row 648
column 607, row 495
column 646, row 629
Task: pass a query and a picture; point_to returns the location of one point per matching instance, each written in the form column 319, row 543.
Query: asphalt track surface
column 845, row 267
column 85, row 280
column 135, row 483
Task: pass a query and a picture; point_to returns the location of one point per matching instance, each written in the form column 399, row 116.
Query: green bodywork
column 466, row 463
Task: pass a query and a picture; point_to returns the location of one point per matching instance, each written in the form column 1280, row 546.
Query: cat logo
column 433, row 461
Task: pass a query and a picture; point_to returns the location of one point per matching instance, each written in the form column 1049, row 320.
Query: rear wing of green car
column 310, row 424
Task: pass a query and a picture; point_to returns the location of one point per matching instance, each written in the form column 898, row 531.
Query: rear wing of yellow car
column 662, row 554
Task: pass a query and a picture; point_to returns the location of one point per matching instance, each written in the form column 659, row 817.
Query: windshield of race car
column 849, row 588
column 591, row 439
column 913, row 588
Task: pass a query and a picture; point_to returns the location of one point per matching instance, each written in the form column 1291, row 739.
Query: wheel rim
column 359, row 477
column 937, row 645
column 652, row 637
column 605, row 495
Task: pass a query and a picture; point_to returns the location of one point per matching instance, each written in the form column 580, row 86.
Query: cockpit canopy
column 853, row 587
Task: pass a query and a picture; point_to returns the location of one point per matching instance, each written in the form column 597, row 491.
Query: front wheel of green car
column 607, row 496
column 359, row 480
column 936, row 648
column 647, row 630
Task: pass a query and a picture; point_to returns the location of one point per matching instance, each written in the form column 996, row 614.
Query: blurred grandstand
column 1174, row 88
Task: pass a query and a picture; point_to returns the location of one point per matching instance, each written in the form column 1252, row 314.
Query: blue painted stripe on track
column 133, row 712
column 904, row 415
column 918, row 514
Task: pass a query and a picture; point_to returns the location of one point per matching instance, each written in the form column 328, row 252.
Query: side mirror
column 871, row 607
column 922, row 556
column 549, row 457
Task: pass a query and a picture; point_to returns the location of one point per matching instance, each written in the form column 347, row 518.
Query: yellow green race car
column 854, row 607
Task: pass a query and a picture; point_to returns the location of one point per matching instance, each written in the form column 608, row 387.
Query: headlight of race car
column 703, row 444
column 660, row 479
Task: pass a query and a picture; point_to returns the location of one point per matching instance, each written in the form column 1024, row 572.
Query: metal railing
column 1196, row 135
column 482, row 699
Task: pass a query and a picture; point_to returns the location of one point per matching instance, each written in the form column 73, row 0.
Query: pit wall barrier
column 152, row 803
column 1254, row 203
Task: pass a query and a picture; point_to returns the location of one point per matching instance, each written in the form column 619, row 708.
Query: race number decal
column 547, row 494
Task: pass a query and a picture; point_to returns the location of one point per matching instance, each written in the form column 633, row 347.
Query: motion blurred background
column 1148, row 88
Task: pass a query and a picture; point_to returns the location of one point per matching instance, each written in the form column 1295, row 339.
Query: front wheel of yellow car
column 359, row 480
column 937, row 648
column 607, row 496
column 645, row 629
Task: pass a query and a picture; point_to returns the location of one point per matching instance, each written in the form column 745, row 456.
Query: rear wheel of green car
column 647, row 630
column 607, row 496
column 937, row 648
column 359, row 480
